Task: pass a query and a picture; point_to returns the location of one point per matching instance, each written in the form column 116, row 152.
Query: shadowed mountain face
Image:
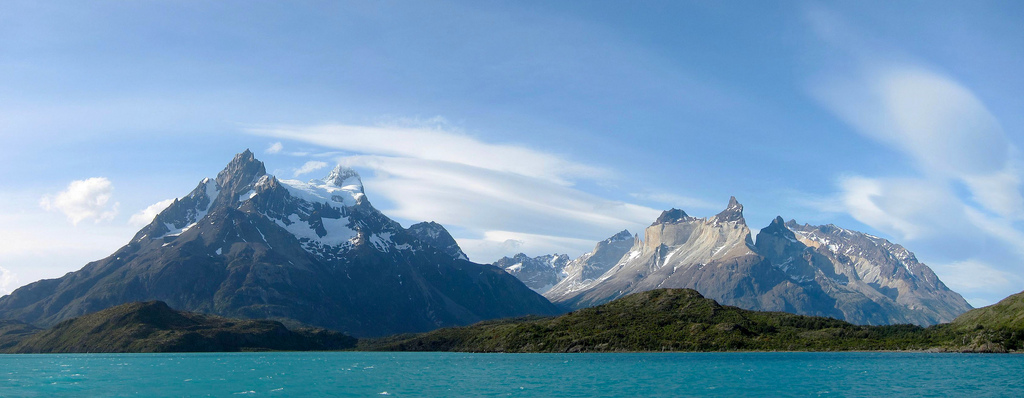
column 821, row 271
column 435, row 235
column 249, row 245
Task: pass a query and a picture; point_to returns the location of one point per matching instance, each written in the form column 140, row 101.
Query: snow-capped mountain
column 538, row 273
column 823, row 271
column 247, row 244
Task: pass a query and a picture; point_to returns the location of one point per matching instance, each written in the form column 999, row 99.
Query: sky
column 525, row 126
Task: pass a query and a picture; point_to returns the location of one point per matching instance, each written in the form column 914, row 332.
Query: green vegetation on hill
column 155, row 327
column 996, row 328
column 663, row 320
column 657, row 320
column 13, row 332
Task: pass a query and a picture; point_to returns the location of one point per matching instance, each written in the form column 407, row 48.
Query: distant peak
column 778, row 221
column 622, row 235
column 733, row 212
column 671, row 216
column 342, row 176
column 240, row 172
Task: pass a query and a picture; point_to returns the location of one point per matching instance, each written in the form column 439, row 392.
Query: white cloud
column 7, row 281
column 524, row 196
column 144, row 217
column 274, row 148
column 84, row 199
column 496, row 244
column 310, row 167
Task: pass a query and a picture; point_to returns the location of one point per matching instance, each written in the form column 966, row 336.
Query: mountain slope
column 873, row 280
column 1007, row 314
column 820, row 271
column 13, row 332
column 155, row 327
column 583, row 270
column 249, row 245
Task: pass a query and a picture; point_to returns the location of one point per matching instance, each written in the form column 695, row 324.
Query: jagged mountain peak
column 778, row 227
column 343, row 176
column 732, row 212
column 241, row 172
column 672, row 215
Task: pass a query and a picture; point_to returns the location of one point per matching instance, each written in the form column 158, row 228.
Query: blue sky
column 525, row 126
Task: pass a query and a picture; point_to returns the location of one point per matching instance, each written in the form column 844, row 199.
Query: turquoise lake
column 360, row 374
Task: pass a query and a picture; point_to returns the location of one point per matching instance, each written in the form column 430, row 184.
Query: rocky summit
column 802, row 269
column 249, row 245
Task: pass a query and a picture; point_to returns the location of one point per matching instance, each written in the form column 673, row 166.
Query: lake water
column 360, row 374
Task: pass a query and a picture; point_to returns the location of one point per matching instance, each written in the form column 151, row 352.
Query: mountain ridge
column 803, row 269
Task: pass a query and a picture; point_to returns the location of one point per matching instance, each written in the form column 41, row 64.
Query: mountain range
column 246, row 244
column 803, row 269
column 249, row 245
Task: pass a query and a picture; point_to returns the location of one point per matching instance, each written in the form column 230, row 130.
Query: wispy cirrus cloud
column 674, row 200
column 83, row 200
column 963, row 198
column 431, row 143
column 309, row 167
column 503, row 197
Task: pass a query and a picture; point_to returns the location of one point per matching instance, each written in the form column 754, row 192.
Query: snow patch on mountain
column 332, row 191
column 203, row 200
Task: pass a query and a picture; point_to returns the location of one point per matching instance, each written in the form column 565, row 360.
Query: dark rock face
column 671, row 216
column 820, row 271
column 317, row 253
column 435, row 235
